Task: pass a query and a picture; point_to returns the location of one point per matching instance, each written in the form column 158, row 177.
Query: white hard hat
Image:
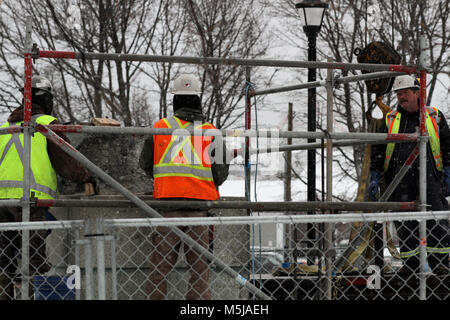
column 405, row 82
column 186, row 84
column 42, row 84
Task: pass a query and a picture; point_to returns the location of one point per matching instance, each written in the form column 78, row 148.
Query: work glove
column 91, row 186
column 375, row 178
column 446, row 186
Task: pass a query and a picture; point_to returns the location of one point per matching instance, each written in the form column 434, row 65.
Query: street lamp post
column 311, row 14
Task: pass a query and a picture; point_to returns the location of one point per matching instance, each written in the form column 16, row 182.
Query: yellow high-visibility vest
column 43, row 176
column 432, row 124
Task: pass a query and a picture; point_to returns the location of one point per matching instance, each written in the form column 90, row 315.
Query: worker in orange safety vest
column 183, row 167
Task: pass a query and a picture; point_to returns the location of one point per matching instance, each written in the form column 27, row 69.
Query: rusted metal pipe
column 267, row 206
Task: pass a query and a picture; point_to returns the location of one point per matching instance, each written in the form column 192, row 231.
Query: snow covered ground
column 267, row 189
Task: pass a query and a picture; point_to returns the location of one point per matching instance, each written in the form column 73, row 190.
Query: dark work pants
column 437, row 234
column 437, row 237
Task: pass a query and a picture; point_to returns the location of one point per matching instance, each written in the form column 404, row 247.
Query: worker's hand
column 375, row 178
column 91, row 186
column 446, row 181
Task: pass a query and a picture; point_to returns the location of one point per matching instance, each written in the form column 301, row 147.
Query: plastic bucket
column 52, row 288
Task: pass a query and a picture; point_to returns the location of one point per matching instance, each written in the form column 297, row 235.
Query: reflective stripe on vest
column 432, row 123
column 416, row 251
column 182, row 164
column 432, row 120
column 43, row 181
column 180, row 158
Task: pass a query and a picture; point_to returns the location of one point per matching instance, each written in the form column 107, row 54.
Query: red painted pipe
column 60, row 142
column 409, row 206
column 423, row 102
column 412, row 156
column 57, row 54
column 45, row 203
column 11, row 130
column 401, row 68
column 27, row 89
column 65, row 128
column 401, row 137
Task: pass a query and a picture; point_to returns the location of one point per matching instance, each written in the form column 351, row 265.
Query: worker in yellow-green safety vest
column 387, row 160
column 47, row 160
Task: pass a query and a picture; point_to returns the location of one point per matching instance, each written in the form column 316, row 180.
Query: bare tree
column 411, row 19
column 228, row 28
column 86, row 87
column 169, row 36
column 349, row 24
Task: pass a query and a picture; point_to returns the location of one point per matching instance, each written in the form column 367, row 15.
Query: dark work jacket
column 219, row 170
column 66, row 166
column 408, row 189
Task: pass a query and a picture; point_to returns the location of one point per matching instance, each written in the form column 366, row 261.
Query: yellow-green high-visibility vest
column 432, row 124
column 43, row 177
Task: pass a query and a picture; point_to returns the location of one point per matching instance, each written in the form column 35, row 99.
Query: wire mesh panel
column 367, row 263
column 143, row 259
column 54, row 273
column 153, row 263
column 356, row 261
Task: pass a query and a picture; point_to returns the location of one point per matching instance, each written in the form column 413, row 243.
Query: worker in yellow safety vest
column 47, row 160
column 183, row 167
column 386, row 161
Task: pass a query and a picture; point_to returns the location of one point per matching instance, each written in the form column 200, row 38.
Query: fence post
column 77, row 260
column 88, row 261
column 329, row 174
column 290, row 229
column 100, row 260
column 112, row 238
column 25, row 268
column 423, row 185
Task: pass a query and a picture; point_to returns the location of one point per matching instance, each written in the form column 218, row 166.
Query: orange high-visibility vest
column 432, row 124
column 181, row 164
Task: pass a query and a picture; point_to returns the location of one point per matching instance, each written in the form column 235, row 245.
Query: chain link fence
column 52, row 253
column 350, row 257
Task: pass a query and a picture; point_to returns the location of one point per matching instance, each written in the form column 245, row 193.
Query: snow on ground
column 270, row 189
column 266, row 190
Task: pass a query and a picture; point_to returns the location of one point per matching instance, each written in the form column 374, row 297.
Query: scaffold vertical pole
column 25, row 267
column 423, row 183
column 290, row 230
column 100, row 260
column 88, row 262
column 113, row 268
column 248, row 109
column 77, row 260
column 329, row 185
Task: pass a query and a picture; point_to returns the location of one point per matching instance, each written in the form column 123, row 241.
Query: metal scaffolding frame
column 233, row 204
column 378, row 71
